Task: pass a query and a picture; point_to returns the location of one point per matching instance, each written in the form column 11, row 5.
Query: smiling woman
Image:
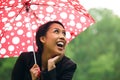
column 52, row 64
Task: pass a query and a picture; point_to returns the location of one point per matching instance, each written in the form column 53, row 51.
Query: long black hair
column 42, row 30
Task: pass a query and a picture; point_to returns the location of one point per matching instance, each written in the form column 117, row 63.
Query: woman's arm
column 67, row 72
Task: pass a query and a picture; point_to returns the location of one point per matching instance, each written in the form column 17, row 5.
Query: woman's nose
column 62, row 36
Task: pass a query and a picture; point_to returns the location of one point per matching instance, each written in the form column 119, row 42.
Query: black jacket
column 64, row 69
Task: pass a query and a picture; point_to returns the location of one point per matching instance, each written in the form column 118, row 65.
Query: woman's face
column 54, row 42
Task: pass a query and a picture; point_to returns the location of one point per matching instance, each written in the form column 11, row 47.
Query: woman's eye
column 56, row 31
column 64, row 33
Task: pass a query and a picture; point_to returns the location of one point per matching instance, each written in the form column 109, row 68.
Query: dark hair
column 42, row 30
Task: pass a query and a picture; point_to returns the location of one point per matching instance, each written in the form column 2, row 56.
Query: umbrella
column 19, row 20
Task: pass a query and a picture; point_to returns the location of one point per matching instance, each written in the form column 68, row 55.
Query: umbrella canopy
column 19, row 20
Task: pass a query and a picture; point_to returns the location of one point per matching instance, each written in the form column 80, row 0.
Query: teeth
column 60, row 44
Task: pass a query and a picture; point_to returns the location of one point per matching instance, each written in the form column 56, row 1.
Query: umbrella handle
column 34, row 57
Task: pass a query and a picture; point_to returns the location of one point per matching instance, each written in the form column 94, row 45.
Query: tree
column 96, row 51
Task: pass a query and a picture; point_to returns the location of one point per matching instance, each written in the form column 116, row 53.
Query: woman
column 52, row 64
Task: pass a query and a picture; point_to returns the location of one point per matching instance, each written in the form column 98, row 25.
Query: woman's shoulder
column 27, row 56
column 67, row 61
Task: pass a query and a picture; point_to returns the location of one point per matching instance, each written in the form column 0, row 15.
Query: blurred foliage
column 95, row 51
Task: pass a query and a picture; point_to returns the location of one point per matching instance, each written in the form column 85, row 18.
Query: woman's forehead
column 56, row 25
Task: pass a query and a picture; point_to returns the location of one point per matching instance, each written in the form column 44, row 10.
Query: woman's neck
column 45, row 57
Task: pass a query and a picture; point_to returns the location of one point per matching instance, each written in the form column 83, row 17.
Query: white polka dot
column 11, row 2
column 10, row 28
column 11, row 48
column 34, row 7
column 75, row 33
column 30, row 48
column 78, row 26
column 28, row 41
column 63, row 15
column 18, row 18
column 28, row 34
column 11, row 14
column 20, row 32
column 83, row 19
column 0, row 45
column 12, row 33
column 0, row 31
column 68, row 35
column 4, row 19
column 19, row 24
column 7, row 36
column 47, row 18
column 72, row 16
column 61, row 4
column 27, row 19
column 53, row 17
column 72, row 23
column 71, row 29
column 15, row 40
column 84, row 28
column 23, row 44
column 49, row 9
column 20, row 6
column 41, row 16
column 50, row 3
column 3, row 40
column 34, row 27
column 3, row 51
column 6, row 56
column 7, row 24
column 27, row 25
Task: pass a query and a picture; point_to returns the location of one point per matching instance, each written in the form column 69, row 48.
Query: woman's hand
column 35, row 72
column 53, row 61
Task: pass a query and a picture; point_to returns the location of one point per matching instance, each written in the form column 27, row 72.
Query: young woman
column 52, row 64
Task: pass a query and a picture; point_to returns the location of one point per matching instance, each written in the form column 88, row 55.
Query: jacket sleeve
column 18, row 70
column 67, row 73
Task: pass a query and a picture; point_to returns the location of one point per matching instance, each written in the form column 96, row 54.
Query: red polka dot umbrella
column 19, row 20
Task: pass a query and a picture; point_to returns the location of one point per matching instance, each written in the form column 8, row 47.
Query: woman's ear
column 42, row 39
